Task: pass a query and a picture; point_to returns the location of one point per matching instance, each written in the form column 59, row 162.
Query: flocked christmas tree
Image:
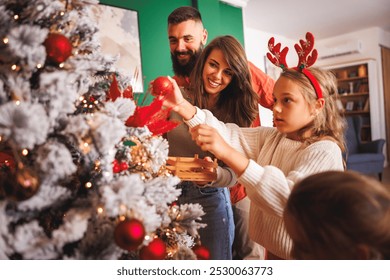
column 82, row 168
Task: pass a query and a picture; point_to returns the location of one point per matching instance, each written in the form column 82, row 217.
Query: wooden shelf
column 354, row 94
column 357, row 112
column 351, row 79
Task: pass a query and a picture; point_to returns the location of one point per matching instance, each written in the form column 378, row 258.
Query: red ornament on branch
column 201, row 252
column 162, row 86
column 58, row 47
column 129, row 234
column 156, row 250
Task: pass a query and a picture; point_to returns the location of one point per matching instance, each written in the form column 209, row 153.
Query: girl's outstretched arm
column 208, row 139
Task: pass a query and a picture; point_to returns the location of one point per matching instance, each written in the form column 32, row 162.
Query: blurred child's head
column 339, row 215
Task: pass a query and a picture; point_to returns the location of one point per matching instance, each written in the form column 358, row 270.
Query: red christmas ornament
column 156, row 250
column 58, row 47
column 129, row 234
column 124, row 166
column 116, row 168
column 201, row 252
column 162, row 86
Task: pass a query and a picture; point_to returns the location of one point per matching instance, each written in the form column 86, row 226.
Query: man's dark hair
column 183, row 14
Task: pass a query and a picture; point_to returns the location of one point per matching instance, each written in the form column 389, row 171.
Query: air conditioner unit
column 236, row 3
column 340, row 49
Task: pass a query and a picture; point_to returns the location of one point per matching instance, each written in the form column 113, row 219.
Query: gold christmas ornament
column 19, row 185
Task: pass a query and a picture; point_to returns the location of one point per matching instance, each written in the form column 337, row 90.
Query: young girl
column 339, row 215
column 307, row 139
column 221, row 83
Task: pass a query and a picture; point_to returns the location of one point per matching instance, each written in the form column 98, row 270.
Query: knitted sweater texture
column 276, row 165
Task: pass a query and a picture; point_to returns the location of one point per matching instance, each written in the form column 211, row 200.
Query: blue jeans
column 218, row 235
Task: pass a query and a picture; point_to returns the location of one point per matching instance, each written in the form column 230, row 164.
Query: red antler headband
column 305, row 59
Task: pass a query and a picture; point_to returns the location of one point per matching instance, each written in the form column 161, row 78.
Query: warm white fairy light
column 17, row 102
column 147, row 237
column 16, row 17
column 97, row 165
column 100, row 210
column 81, row 98
column 39, row 66
column 24, row 152
column 84, row 146
column 14, row 67
column 61, row 65
column 5, row 40
column 123, row 208
column 122, row 218
column 88, row 185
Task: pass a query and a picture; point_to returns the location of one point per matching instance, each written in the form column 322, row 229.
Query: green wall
column 218, row 19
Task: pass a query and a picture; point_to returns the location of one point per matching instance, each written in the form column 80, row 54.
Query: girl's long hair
column 329, row 122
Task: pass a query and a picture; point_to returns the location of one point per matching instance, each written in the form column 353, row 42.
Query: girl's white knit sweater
column 276, row 164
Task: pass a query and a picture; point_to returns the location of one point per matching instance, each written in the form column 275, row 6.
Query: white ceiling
column 326, row 18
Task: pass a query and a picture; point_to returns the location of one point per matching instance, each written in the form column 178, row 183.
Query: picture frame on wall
column 119, row 38
column 271, row 70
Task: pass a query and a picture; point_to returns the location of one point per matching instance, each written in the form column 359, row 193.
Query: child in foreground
column 339, row 215
column 307, row 139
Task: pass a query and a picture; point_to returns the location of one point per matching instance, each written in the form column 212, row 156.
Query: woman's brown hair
column 237, row 103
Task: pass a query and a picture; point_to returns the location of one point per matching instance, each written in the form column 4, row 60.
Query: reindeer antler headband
column 305, row 59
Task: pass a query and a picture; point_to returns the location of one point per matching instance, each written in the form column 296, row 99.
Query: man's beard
column 185, row 70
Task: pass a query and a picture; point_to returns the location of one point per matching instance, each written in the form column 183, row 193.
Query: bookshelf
column 353, row 86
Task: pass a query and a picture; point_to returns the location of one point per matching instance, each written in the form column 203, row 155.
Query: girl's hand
column 203, row 183
column 173, row 99
column 208, row 139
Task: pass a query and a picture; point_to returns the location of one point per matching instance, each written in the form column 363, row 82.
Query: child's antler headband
column 305, row 59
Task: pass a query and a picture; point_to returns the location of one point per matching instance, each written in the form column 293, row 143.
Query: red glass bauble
column 156, row 250
column 116, row 168
column 129, row 234
column 201, row 252
column 124, row 165
column 58, row 47
column 162, row 86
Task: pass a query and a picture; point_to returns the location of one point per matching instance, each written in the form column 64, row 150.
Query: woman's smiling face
column 217, row 74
